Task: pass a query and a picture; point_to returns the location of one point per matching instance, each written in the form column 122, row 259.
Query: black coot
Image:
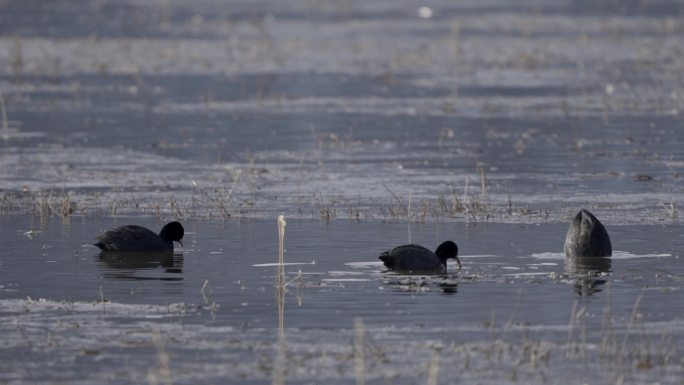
column 587, row 237
column 415, row 259
column 140, row 239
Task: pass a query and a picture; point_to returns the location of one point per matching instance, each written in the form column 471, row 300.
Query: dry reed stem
column 465, row 191
column 163, row 356
column 206, row 295
column 279, row 363
column 278, row 377
column 202, row 291
column 624, row 351
column 237, row 177
column 607, row 333
column 102, row 300
column 571, row 326
column 433, row 370
column 492, row 322
column 483, row 184
column 359, row 364
column 5, row 126
column 515, row 309
column 408, row 212
column 281, row 251
column 299, row 288
column 393, row 195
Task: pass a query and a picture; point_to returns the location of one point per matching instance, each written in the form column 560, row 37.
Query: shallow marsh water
column 492, row 122
column 505, row 317
column 512, row 113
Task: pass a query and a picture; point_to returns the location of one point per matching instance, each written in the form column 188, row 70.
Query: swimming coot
column 587, row 237
column 415, row 259
column 140, row 239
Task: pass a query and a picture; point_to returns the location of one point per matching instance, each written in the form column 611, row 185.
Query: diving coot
column 141, row 239
column 415, row 259
column 587, row 237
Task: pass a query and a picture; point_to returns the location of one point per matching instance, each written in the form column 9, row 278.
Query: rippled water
column 368, row 124
column 514, row 288
column 524, row 113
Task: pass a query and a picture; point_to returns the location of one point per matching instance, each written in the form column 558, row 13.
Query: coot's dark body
column 415, row 259
column 587, row 237
column 132, row 238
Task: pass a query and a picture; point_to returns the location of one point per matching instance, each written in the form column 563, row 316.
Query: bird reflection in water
column 128, row 265
column 416, row 284
column 588, row 274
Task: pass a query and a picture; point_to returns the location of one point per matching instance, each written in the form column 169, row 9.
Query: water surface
column 514, row 287
column 489, row 123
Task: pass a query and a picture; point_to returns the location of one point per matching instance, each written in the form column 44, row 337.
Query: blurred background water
column 369, row 124
column 524, row 112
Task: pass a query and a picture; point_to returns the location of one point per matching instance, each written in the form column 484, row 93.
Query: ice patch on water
column 284, row 264
column 339, row 272
column 628, row 255
column 616, row 255
column 530, row 274
column 548, row 255
column 109, row 309
column 12, row 133
column 364, row 265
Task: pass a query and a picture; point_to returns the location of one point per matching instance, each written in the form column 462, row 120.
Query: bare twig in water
column 465, row 191
column 279, row 364
column 237, row 177
column 175, row 207
column 206, row 295
column 483, row 183
column 281, row 251
column 298, row 278
column 280, row 276
column 671, row 209
column 408, row 213
column 393, row 195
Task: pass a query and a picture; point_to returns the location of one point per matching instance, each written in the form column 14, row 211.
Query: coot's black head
column 448, row 250
column 172, row 231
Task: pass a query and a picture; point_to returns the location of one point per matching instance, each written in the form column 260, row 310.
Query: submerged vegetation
column 228, row 202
